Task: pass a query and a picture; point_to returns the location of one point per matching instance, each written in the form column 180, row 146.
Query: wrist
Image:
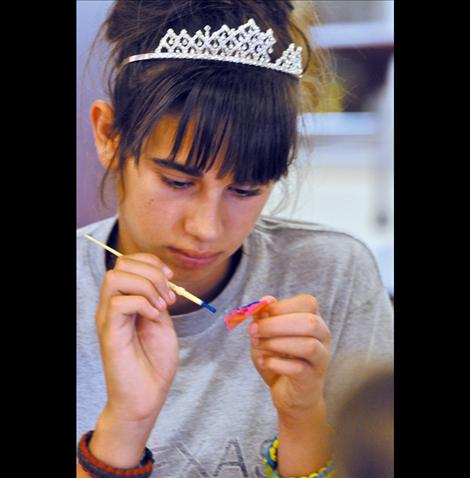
column 120, row 442
column 271, row 465
column 305, row 441
column 90, row 465
column 303, row 418
column 307, row 427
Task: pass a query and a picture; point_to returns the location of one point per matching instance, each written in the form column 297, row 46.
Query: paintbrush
column 176, row 288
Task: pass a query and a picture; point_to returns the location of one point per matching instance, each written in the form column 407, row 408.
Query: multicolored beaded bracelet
column 270, row 462
column 97, row 469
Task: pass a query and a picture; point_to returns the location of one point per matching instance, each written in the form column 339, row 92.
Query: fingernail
column 167, row 271
column 261, row 361
column 253, row 328
column 172, row 295
column 162, row 304
column 254, row 341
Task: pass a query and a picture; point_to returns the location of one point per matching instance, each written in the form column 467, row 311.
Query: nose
column 203, row 219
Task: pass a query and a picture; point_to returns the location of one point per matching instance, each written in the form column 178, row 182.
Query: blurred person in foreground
column 364, row 439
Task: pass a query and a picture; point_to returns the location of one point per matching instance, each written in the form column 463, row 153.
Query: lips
column 194, row 254
column 193, row 259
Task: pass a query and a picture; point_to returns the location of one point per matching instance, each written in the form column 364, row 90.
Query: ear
column 102, row 117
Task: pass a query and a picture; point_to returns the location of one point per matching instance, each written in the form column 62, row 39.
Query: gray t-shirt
column 218, row 418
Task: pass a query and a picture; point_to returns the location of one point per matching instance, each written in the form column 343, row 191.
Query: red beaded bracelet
column 97, row 469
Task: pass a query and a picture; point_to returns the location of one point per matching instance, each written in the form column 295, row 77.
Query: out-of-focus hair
column 364, row 441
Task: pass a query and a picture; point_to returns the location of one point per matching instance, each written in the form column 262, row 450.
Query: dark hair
column 364, row 432
column 253, row 111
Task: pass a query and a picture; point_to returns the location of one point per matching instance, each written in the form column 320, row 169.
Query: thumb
column 263, row 313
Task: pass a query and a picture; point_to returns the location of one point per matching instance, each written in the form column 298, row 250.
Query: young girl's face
column 190, row 219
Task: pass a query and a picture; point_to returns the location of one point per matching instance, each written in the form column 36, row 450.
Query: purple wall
column 90, row 15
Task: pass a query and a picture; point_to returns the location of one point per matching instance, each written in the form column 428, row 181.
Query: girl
column 199, row 126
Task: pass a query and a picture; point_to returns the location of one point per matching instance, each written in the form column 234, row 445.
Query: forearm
column 304, row 442
column 120, row 443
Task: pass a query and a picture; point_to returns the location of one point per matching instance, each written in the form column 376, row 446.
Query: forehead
column 160, row 142
column 235, row 151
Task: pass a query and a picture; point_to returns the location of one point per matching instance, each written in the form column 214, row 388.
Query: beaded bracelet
column 270, row 462
column 97, row 469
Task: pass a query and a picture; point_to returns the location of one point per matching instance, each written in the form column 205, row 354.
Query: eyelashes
column 176, row 184
column 246, row 192
column 182, row 185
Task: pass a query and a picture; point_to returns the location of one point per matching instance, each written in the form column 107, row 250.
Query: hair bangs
column 239, row 120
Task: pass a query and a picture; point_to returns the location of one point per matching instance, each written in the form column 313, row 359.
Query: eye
column 176, row 184
column 244, row 193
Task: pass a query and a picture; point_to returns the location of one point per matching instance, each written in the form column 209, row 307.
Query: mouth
column 193, row 259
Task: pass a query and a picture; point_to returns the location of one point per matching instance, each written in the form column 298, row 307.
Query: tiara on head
column 246, row 45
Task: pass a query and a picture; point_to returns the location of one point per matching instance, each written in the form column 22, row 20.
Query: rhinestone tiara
column 246, row 45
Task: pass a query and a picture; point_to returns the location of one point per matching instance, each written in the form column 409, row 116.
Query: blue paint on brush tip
column 209, row 307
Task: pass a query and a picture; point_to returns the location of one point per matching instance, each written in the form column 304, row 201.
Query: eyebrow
column 166, row 163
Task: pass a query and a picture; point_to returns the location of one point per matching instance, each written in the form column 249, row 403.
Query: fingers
column 123, row 308
column 294, row 324
column 123, row 283
column 150, row 267
column 306, row 349
column 147, row 278
column 292, row 368
column 269, row 298
column 292, row 329
column 299, row 303
column 149, row 259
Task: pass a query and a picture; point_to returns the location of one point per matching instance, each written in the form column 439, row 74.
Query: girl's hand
column 290, row 350
column 139, row 346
